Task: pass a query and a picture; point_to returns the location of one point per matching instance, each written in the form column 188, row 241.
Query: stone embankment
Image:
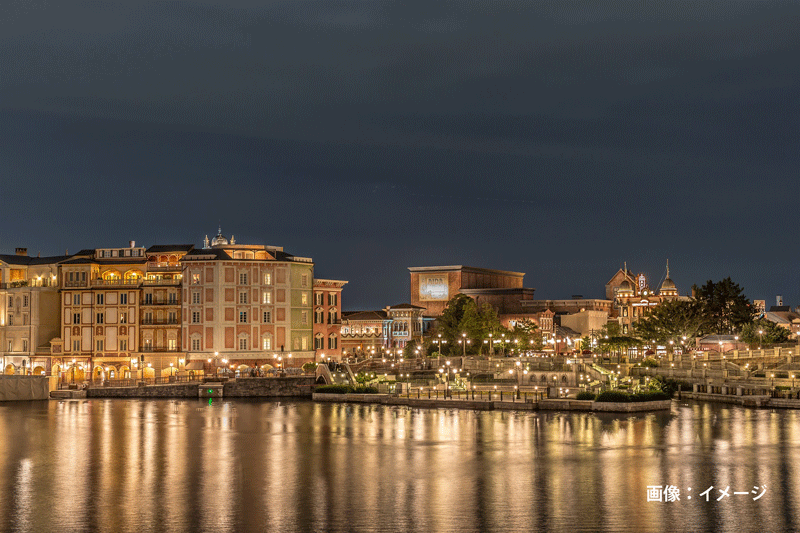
column 235, row 388
column 493, row 404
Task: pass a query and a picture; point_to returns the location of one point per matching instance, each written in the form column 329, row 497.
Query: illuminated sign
column 433, row 287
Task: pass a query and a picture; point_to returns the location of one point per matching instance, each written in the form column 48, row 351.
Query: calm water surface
column 167, row 465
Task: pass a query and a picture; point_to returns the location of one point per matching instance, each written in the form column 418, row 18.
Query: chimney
column 21, row 251
column 132, row 244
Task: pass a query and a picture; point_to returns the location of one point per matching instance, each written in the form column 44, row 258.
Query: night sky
column 558, row 139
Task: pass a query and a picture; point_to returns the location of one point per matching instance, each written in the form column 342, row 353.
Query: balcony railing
column 161, row 322
column 133, row 282
column 163, row 267
column 158, row 349
column 76, row 284
column 163, row 281
column 161, row 302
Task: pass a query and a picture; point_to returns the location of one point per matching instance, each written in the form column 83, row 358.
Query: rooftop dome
column 668, row 285
column 220, row 239
column 625, row 286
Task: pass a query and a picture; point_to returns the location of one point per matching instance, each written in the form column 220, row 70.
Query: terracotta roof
column 158, row 248
column 406, row 306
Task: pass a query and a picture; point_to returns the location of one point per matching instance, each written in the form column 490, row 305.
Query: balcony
column 162, row 281
column 117, row 282
column 163, row 267
column 76, row 284
column 158, row 349
column 154, row 301
column 161, row 322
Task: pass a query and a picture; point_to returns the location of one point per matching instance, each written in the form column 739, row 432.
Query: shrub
column 649, row 396
column 333, row 389
column 650, row 363
column 782, row 387
column 586, row 395
column 362, row 389
column 618, row 396
column 613, row 396
column 309, row 367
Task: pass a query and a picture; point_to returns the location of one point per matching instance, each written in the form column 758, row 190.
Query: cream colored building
column 29, row 311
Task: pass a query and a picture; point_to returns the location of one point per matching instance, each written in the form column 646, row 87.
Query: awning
column 194, row 365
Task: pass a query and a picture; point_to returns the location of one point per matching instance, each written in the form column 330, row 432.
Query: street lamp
column 760, row 338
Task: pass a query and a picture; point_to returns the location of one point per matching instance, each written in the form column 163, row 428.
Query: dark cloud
column 559, row 138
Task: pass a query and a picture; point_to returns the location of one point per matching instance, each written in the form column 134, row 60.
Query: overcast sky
column 558, row 139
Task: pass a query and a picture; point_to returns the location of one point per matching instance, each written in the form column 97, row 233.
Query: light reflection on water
column 185, row 465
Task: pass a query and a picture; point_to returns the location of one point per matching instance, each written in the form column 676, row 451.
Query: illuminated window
column 266, row 297
column 267, row 278
column 266, row 343
column 304, row 298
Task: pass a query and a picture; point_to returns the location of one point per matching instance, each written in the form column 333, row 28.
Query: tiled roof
column 158, row 248
column 405, row 306
column 27, row 260
column 365, row 315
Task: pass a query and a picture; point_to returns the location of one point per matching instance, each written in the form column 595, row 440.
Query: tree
column 723, row 307
column 462, row 315
column 670, row 320
column 772, row 333
column 525, row 335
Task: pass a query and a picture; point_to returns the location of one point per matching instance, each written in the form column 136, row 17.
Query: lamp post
column 73, row 371
column 491, row 346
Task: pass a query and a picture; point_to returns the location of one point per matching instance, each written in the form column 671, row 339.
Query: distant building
column 391, row 328
column 432, row 287
column 633, row 298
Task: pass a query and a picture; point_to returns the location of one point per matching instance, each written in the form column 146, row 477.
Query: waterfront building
column 101, row 293
column 327, row 318
column 29, row 311
column 160, row 338
column 246, row 306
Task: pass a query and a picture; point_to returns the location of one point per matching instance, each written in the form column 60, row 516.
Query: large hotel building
column 134, row 311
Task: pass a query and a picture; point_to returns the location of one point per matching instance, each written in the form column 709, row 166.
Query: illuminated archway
column 10, row 370
column 133, row 274
column 38, row 370
column 111, row 275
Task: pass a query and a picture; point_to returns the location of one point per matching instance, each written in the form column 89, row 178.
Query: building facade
column 246, row 306
column 328, row 318
column 29, row 311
